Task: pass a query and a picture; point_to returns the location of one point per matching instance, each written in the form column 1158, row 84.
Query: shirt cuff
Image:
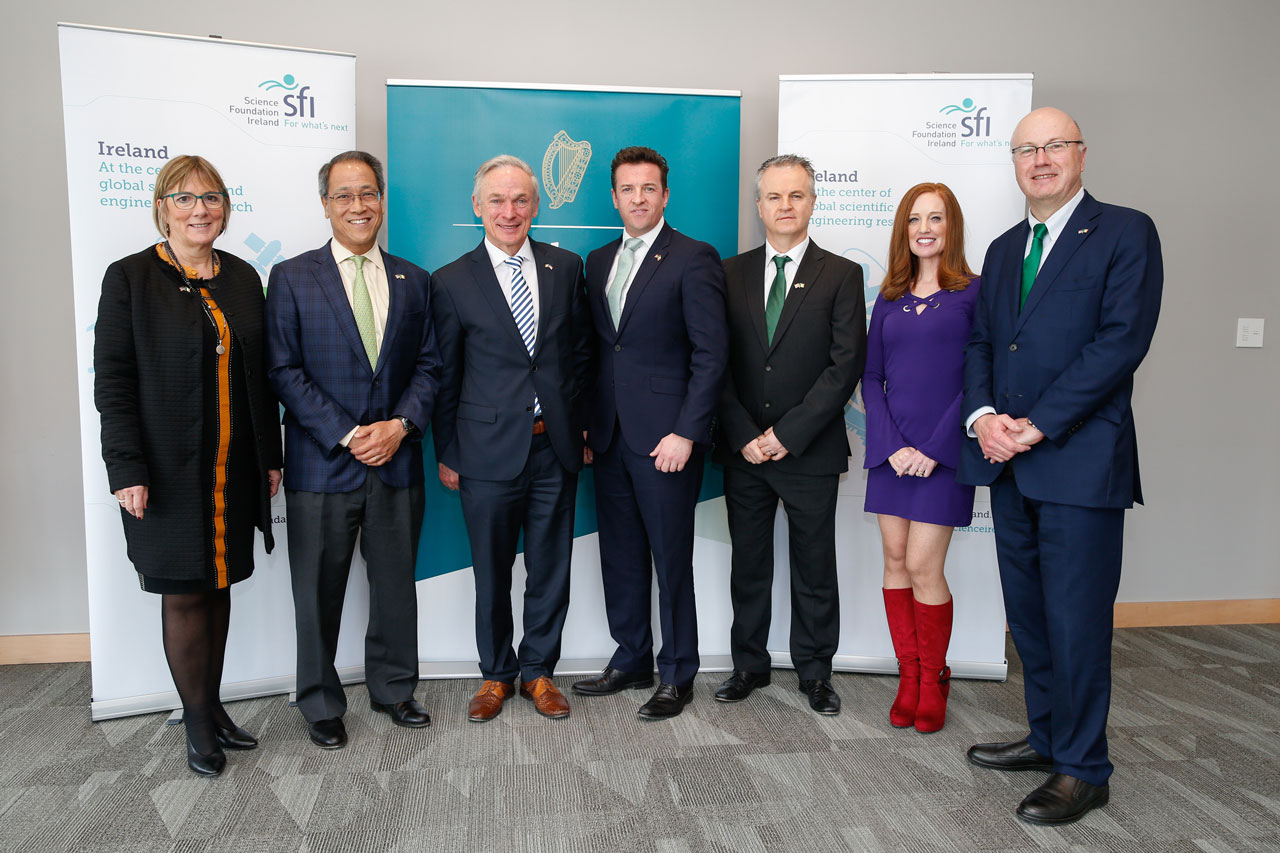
column 968, row 422
column 346, row 439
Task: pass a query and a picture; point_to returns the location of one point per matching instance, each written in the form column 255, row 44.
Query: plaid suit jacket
column 319, row 369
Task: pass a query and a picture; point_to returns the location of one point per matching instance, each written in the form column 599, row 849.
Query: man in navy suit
column 1068, row 307
column 515, row 339
column 657, row 301
column 352, row 356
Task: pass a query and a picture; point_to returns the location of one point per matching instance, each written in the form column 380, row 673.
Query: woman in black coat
column 190, row 434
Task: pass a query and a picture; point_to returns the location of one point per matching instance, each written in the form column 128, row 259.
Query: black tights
column 195, row 643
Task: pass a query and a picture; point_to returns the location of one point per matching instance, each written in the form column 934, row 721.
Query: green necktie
column 626, row 261
column 777, row 295
column 1031, row 265
column 362, row 307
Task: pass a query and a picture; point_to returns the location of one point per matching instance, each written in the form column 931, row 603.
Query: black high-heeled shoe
column 210, row 764
column 234, row 737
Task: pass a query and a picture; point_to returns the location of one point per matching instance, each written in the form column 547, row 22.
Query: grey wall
column 1175, row 99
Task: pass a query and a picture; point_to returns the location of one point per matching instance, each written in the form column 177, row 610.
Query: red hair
column 953, row 270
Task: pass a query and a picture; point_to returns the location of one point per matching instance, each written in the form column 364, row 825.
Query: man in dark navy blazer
column 515, row 339
column 657, row 301
column 795, row 358
column 352, row 357
column 1068, row 307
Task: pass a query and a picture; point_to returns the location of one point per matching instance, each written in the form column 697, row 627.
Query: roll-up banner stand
column 267, row 117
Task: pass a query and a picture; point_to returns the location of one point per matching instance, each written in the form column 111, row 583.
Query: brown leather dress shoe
column 487, row 703
column 548, row 701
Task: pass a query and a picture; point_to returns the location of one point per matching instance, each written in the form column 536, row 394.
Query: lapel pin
column 1083, row 231
column 399, row 275
column 548, row 266
column 799, row 285
column 657, row 257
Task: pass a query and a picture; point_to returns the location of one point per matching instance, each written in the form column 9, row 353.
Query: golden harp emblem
column 563, row 167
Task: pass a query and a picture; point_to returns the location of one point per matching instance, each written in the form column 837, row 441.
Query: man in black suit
column 657, row 301
column 797, row 344
column 515, row 340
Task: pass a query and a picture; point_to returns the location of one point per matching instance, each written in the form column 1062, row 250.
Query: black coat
column 149, row 390
column 800, row 384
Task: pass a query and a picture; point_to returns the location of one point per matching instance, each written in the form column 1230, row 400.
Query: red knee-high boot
column 933, row 629
column 899, row 608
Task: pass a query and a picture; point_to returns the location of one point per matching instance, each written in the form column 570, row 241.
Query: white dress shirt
column 1056, row 223
column 795, row 253
column 502, row 271
column 375, row 281
column 648, row 239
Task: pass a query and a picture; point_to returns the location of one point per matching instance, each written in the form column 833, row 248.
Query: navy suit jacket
column 483, row 421
column 800, row 383
column 319, row 370
column 661, row 370
column 1067, row 359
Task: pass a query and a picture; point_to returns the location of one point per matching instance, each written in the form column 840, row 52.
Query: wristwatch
column 409, row 428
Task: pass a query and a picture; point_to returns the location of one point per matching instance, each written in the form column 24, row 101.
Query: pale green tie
column 626, row 261
column 362, row 307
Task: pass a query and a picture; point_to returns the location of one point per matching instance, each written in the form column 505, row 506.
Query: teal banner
column 438, row 133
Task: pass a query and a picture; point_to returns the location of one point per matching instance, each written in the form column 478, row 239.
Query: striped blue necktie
column 522, row 313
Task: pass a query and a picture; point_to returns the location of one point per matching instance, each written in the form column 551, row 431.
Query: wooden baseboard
column 68, row 648
column 44, row 648
column 1159, row 614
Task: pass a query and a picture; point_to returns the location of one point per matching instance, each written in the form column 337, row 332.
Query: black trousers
column 322, row 537
column 751, row 497
column 539, row 502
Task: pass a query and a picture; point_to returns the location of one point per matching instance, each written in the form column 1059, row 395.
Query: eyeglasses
column 1026, row 152
column 344, row 199
column 186, row 201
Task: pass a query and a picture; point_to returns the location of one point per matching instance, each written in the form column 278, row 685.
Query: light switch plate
column 1249, row 332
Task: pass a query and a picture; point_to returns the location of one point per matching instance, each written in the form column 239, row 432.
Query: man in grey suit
column 797, row 345
column 515, row 339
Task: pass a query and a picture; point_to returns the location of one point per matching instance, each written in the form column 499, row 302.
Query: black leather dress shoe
column 740, row 685
column 611, row 681
column 667, row 702
column 328, row 734
column 822, row 696
column 234, row 737
column 209, row 764
column 408, row 713
column 1062, row 799
column 1014, row 755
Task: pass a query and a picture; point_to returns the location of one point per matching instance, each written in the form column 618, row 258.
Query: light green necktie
column 362, row 307
column 626, row 261
column 1031, row 266
column 777, row 295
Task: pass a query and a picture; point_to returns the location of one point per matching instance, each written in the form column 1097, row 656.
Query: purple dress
column 911, row 389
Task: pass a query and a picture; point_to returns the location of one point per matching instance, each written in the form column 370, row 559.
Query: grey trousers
column 322, row 536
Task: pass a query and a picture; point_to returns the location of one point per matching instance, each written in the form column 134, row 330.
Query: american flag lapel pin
column 1083, row 231
column 399, row 275
column 548, row 266
column 657, row 257
column 799, row 285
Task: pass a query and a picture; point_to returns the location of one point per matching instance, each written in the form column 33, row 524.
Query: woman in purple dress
column 911, row 389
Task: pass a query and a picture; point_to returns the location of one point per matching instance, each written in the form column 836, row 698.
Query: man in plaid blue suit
column 353, row 358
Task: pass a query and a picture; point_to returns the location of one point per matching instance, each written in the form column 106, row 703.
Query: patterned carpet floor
column 1195, row 736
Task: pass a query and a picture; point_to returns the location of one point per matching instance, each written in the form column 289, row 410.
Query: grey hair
column 788, row 160
column 348, row 156
column 499, row 162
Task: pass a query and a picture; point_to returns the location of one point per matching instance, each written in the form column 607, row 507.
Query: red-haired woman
column 911, row 388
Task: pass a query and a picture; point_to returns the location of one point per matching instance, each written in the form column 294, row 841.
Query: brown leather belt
column 539, row 426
